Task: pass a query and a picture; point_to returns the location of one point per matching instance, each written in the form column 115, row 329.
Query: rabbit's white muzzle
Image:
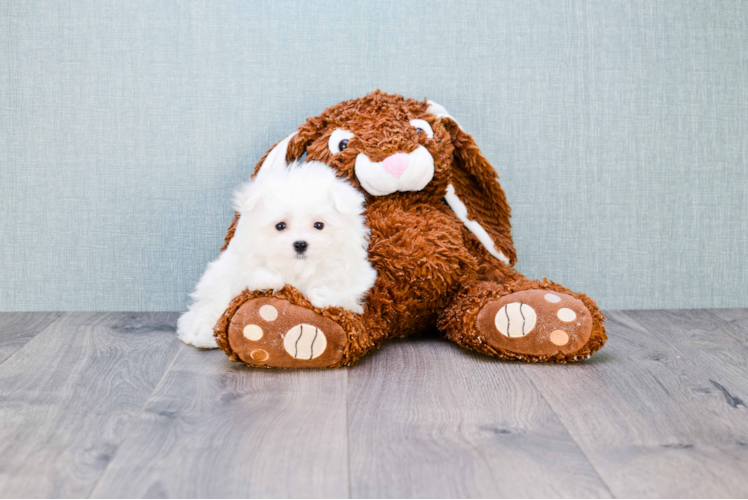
column 399, row 172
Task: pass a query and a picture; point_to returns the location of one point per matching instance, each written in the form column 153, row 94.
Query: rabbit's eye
column 339, row 141
column 319, row 225
column 280, row 226
column 423, row 126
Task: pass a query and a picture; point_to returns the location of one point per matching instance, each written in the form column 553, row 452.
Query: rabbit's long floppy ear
column 275, row 158
column 292, row 147
column 475, row 194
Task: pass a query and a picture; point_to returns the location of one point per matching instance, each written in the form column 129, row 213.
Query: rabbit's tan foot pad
column 270, row 332
column 536, row 323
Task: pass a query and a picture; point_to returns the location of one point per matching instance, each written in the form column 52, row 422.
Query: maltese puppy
column 301, row 226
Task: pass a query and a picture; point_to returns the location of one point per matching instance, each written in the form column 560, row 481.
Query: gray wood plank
column 718, row 346
column 734, row 326
column 17, row 328
column 69, row 397
column 429, row 419
column 219, row 429
column 647, row 414
column 735, row 316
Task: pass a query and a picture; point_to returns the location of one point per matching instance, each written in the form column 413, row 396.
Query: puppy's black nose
column 300, row 246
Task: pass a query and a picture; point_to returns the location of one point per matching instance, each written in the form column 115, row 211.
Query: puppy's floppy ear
column 246, row 197
column 346, row 199
column 475, row 194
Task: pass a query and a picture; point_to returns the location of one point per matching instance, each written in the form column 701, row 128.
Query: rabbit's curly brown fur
column 434, row 273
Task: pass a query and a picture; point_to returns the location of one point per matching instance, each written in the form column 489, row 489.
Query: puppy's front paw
column 196, row 328
column 263, row 279
column 326, row 297
column 322, row 297
column 354, row 306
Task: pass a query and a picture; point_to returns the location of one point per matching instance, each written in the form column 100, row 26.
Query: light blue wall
column 619, row 129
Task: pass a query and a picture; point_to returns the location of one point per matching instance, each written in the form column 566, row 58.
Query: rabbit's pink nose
column 396, row 164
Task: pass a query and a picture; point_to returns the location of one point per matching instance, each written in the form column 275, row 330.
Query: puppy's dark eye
column 343, row 144
column 280, row 226
column 419, row 130
column 318, row 225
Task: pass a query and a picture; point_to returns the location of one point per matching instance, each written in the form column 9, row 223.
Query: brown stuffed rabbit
column 440, row 241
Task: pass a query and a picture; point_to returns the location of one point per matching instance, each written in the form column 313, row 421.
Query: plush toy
column 440, row 242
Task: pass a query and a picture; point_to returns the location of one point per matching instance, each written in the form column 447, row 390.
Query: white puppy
column 299, row 225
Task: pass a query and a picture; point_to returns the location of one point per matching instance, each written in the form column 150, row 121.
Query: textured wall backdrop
column 619, row 129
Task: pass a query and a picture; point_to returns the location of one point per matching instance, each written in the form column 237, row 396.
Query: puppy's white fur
column 333, row 271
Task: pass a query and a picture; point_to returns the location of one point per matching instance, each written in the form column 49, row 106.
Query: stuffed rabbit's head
column 386, row 145
column 383, row 144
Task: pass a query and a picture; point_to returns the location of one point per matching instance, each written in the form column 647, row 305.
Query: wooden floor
column 113, row 405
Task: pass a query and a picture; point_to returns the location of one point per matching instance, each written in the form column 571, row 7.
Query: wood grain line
column 429, row 419
column 644, row 411
column 69, row 397
column 220, row 429
column 17, row 328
